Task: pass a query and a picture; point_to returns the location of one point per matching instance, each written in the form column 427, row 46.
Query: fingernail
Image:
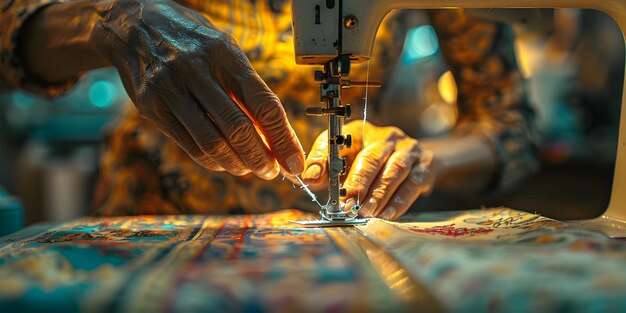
column 242, row 172
column 295, row 164
column 389, row 213
column 369, row 207
column 349, row 203
column 313, row 172
column 270, row 172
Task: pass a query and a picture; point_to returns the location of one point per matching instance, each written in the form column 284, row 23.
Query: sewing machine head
column 325, row 29
column 319, row 29
column 336, row 33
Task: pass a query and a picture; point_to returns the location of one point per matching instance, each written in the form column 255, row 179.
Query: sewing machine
column 336, row 33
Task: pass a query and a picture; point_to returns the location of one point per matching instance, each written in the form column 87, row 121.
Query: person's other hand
column 386, row 173
column 198, row 87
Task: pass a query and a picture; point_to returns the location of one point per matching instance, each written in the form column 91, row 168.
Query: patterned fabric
column 502, row 260
column 191, row 263
column 142, row 172
column 492, row 260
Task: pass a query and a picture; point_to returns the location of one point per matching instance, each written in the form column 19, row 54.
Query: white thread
column 367, row 80
column 306, row 189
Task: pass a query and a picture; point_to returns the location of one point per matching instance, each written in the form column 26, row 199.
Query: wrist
column 440, row 177
column 55, row 41
column 432, row 166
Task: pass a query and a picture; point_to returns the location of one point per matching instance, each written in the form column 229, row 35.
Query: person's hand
column 386, row 173
column 198, row 88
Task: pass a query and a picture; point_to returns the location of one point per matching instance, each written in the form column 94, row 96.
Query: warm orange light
column 447, row 88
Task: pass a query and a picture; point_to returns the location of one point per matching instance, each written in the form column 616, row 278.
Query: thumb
column 315, row 166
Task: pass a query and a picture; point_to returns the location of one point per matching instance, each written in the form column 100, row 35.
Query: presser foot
column 335, row 223
column 333, row 219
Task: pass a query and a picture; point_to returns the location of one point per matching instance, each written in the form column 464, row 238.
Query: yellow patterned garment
column 143, row 172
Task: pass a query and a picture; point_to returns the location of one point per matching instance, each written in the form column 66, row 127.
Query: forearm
column 55, row 43
column 491, row 146
column 465, row 163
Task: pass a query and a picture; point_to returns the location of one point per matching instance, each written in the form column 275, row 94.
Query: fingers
column 238, row 131
column 193, row 60
column 419, row 181
column 209, row 138
column 366, row 167
column 315, row 169
column 315, row 173
column 267, row 113
column 394, row 172
column 168, row 124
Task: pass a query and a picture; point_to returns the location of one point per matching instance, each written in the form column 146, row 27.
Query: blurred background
column 49, row 149
column 573, row 62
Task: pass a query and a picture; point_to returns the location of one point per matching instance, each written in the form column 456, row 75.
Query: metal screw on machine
column 346, row 141
column 319, row 76
column 343, row 111
column 347, row 84
column 315, row 111
column 350, row 22
column 346, row 111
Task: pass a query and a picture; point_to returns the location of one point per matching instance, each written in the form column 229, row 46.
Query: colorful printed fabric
column 496, row 260
column 143, row 172
column 502, row 260
column 188, row 263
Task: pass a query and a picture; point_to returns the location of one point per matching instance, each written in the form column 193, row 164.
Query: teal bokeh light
column 22, row 100
column 102, row 93
column 420, row 42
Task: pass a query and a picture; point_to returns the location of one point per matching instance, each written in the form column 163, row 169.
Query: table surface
column 495, row 259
